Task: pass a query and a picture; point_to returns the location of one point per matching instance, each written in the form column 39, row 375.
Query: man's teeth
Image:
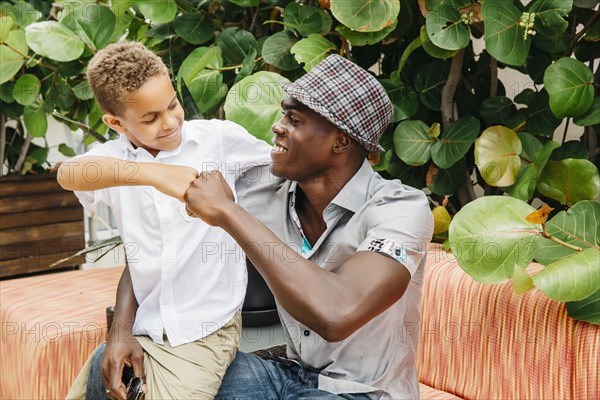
column 279, row 148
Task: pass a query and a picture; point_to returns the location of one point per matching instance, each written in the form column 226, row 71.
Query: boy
column 189, row 278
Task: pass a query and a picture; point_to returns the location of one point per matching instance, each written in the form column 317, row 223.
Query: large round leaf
column 490, row 236
column 305, row 20
column 572, row 278
column 591, row 116
column 497, row 156
column 570, row 85
column 6, row 23
column 550, row 15
column 455, row 141
column 276, row 51
column 195, row 28
column 524, row 188
column 570, row 149
column 159, row 12
column 503, row 36
column 570, row 181
column 446, row 29
column 35, row 120
column 540, row 119
column 255, row 103
column 429, row 83
column 12, row 57
column 205, row 85
column 579, row 226
column 236, row 44
column 404, row 100
column 357, row 38
column 497, row 109
column 93, row 23
column 366, row 15
column 409, row 174
column 27, row 88
column 447, row 181
column 412, row 142
column 25, row 13
column 530, row 145
column 431, row 49
column 587, row 309
column 54, row 40
column 312, row 50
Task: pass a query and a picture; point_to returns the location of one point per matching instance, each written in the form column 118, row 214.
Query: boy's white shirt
column 189, row 278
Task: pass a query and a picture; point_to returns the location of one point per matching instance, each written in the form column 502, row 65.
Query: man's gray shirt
column 369, row 214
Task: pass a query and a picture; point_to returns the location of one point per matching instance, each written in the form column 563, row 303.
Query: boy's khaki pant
column 193, row 370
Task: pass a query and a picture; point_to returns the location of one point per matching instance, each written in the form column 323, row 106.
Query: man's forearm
column 94, row 173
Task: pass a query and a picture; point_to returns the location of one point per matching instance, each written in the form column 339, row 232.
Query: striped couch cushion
column 481, row 341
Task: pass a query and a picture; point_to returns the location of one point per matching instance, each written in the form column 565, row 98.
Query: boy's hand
column 173, row 180
column 208, row 197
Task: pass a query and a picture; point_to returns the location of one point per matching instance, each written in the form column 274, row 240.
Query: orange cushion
column 429, row 393
column 482, row 341
column 50, row 325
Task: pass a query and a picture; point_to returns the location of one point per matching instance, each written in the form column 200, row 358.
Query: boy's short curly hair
column 121, row 69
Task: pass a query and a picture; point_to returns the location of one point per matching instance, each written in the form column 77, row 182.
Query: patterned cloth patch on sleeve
column 388, row 247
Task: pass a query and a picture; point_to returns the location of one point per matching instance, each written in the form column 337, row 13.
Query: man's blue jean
column 248, row 378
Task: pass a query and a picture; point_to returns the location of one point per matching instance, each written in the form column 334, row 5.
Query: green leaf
column 409, row 174
column 540, row 119
column 570, row 149
column 27, row 88
column 429, row 83
column 572, row 278
column 524, row 188
column 245, row 3
column 25, row 13
column 357, row 38
column 276, row 50
column 570, row 85
column 455, row 142
column 255, row 103
column 312, row 50
column 305, row 20
column 587, row 309
column 549, row 19
column 537, row 64
column 490, row 236
column 578, row 226
column 585, row 3
column 503, row 36
column 6, row 92
column 570, row 181
column 433, row 50
column 446, row 29
column 35, row 120
column 457, row 4
column 159, row 12
column 366, row 15
column 66, row 150
column 194, row 28
column 82, row 91
column 530, row 144
column 247, row 66
column 497, row 109
column 189, row 104
column 6, row 24
column 235, row 45
column 412, row 142
column 12, row 60
column 591, row 116
column 497, row 156
column 553, row 45
column 93, row 23
column 412, row 46
column 205, row 85
column 405, row 100
column 447, row 181
column 54, row 40
column 522, row 282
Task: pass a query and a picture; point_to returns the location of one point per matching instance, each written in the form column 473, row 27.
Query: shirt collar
column 354, row 193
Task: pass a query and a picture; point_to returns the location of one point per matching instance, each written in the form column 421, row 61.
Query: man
column 341, row 248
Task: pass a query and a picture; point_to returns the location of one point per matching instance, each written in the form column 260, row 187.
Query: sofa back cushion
column 482, row 341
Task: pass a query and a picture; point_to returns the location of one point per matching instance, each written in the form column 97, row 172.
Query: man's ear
column 115, row 123
column 342, row 143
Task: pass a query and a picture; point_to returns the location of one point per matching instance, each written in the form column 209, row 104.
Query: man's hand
column 122, row 349
column 173, row 180
column 208, row 197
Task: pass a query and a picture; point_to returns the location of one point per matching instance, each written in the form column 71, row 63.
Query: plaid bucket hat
column 348, row 96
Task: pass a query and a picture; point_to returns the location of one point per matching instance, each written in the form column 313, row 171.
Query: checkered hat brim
column 348, row 96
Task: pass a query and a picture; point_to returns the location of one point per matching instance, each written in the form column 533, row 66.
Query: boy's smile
column 153, row 116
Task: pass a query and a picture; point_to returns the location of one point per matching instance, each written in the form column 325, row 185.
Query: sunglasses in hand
column 135, row 388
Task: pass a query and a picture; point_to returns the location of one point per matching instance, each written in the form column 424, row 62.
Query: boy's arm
column 90, row 173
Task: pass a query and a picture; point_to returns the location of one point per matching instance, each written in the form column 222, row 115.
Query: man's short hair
column 119, row 70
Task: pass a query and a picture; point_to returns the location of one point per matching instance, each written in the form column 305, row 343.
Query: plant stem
column 582, row 32
column 450, row 88
column 24, row 149
column 557, row 240
column 465, row 192
column 566, row 130
column 27, row 56
column 494, row 77
column 2, row 141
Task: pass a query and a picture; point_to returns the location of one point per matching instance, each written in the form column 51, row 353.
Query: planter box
column 40, row 223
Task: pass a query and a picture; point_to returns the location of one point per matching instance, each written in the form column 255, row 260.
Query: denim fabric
column 248, row 378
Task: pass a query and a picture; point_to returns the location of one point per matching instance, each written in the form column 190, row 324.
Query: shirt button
column 306, row 332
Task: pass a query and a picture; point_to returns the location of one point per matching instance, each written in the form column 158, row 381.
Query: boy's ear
column 114, row 122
